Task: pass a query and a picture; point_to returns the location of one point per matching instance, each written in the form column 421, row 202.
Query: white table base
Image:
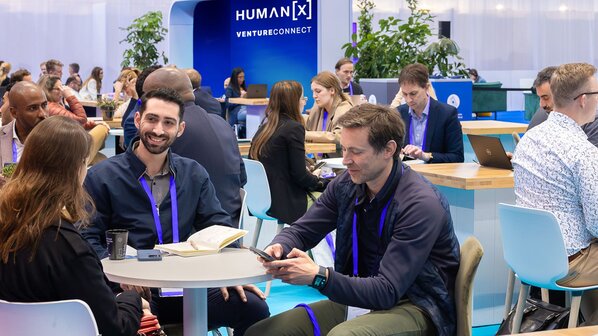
column 195, row 311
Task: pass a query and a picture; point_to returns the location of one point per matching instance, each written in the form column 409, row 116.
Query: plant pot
column 107, row 114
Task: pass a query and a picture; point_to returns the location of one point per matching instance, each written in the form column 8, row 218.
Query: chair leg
column 545, row 296
column 256, row 235
column 568, row 299
column 523, row 294
column 574, row 311
column 509, row 298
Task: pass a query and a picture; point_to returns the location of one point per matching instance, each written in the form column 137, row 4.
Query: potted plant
column 142, row 36
column 107, row 106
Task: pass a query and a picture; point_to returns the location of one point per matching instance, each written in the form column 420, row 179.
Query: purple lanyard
column 411, row 137
column 324, row 120
column 350, row 88
column 175, row 210
column 330, row 243
column 312, row 317
column 14, row 151
column 355, row 246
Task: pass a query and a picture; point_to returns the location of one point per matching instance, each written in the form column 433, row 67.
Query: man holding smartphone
column 397, row 254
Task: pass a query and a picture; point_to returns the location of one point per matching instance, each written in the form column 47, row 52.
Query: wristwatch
column 320, row 279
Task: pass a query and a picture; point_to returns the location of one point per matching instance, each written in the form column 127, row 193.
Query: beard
column 153, row 147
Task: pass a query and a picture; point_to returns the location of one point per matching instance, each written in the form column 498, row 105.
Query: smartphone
column 318, row 165
column 261, row 254
column 149, row 255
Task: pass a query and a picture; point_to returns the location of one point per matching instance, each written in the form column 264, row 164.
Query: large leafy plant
column 383, row 53
column 142, row 37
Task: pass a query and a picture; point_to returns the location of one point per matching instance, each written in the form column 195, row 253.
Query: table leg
column 195, row 311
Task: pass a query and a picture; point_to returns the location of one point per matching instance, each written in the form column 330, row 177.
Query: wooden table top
column 91, row 103
column 481, row 127
column 310, row 147
column 249, row 101
column 468, row 176
column 585, row 331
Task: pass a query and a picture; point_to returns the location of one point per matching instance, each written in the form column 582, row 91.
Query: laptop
column 489, row 151
column 257, row 91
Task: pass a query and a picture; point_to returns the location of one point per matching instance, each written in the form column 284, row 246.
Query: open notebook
column 207, row 241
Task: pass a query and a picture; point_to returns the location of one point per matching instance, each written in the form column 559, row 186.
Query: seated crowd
column 396, row 251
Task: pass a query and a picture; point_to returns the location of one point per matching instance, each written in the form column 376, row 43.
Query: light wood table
column 473, row 192
column 500, row 129
column 231, row 267
column 256, row 111
column 310, row 147
column 585, row 331
column 89, row 103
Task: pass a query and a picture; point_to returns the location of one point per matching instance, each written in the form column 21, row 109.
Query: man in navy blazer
column 203, row 98
column 433, row 131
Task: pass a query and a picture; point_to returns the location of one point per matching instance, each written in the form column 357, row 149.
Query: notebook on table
column 489, row 151
column 257, row 91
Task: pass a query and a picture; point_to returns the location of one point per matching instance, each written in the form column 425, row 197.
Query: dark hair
column 73, row 78
column 52, row 64
column 474, row 73
column 164, row 94
column 544, row 76
column 38, row 195
column 142, row 76
column 234, row 81
column 415, row 73
column 18, row 75
column 95, row 74
column 342, row 62
column 75, row 67
column 384, row 123
column 284, row 101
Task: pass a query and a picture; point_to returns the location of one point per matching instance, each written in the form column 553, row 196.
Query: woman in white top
column 92, row 85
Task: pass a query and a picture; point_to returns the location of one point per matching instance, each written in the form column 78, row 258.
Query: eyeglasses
column 586, row 93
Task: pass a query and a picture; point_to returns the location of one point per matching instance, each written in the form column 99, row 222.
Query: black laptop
column 489, row 151
column 257, row 91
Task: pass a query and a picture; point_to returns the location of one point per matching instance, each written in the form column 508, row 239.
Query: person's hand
column 67, row 91
column 297, row 269
column 243, row 93
column 317, row 172
column 118, row 86
column 143, row 291
column 509, row 155
column 273, row 250
column 89, row 124
column 416, row 153
column 241, row 292
column 130, row 89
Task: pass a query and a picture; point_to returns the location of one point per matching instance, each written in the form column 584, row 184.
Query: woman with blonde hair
column 279, row 145
column 92, row 86
column 330, row 104
column 125, row 84
column 42, row 255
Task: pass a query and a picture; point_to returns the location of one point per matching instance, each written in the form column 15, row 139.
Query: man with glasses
column 541, row 87
column 556, row 169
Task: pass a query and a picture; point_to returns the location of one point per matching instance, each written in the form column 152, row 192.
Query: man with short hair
column 129, row 187
column 43, row 70
column 344, row 69
column 555, row 158
column 206, row 134
column 433, row 129
column 397, row 254
column 54, row 67
column 28, row 106
column 542, row 87
column 203, row 98
column 74, row 82
column 21, row 75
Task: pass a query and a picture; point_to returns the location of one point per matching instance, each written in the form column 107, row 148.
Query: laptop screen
column 489, row 151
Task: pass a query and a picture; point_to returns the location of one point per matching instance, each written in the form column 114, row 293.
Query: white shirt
column 17, row 142
column 556, row 169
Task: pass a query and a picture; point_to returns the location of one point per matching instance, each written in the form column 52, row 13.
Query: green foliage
column 142, row 37
column 105, row 103
column 383, row 53
column 9, row 169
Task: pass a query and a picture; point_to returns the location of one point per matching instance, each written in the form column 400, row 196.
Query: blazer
column 444, row 138
column 6, row 143
column 205, row 100
column 314, row 123
column 66, row 267
column 283, row 157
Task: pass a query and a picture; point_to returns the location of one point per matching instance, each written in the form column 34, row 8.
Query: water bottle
column 372, row 99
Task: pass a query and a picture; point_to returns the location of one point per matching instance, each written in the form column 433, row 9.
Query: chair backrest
column 257, row 188
column 471, row 254
column 64, row 318
column 540, row 261
column 243, row 194
column 516, row 138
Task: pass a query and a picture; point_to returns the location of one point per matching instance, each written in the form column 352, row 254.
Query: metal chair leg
column 256, row 235
column 523, row 294
column 509, row 298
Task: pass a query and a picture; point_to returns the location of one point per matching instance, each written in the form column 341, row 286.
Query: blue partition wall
column 271, row 40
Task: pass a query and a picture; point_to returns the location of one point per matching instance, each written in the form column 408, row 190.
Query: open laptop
column 489, row 151
column 257, row 91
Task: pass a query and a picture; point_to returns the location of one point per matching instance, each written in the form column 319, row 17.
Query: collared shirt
column 371, row 247
column 16, row 140
column 556, row 169
column 418, row 125
column 160, row 183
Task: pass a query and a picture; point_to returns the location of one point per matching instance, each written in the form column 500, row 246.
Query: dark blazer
column 205, row 100
column 66, row 267
column 444, row 137
column 283, row 157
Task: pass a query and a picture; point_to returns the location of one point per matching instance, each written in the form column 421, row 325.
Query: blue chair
column 540, row 261
column 65, row 318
